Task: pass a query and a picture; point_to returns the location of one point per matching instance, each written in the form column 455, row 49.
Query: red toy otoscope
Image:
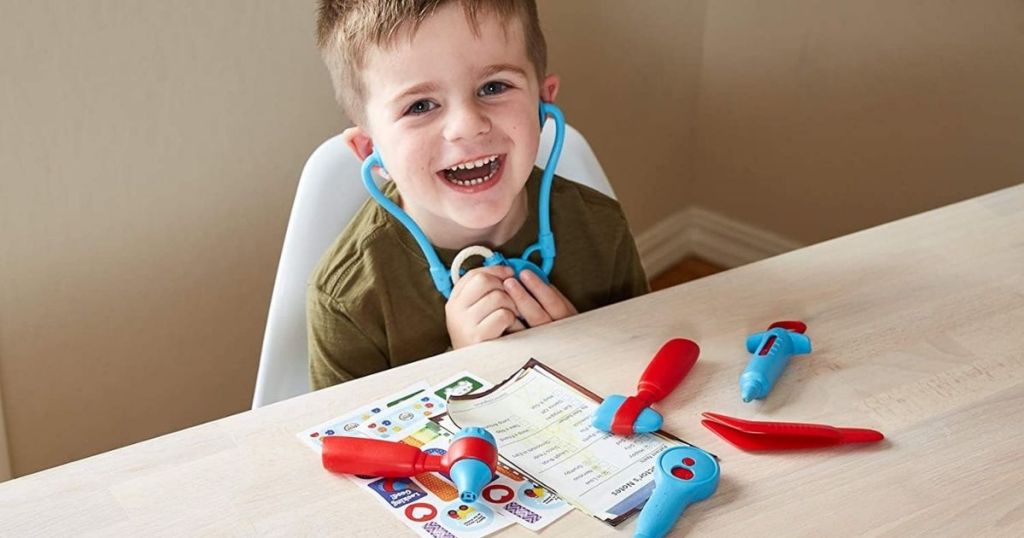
column 470, row 460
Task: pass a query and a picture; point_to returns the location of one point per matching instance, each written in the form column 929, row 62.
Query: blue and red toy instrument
column 470, row 460
column 623, row 415
column 683, row 475
column 770, row 353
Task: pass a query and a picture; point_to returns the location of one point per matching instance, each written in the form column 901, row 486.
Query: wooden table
column 918, row 328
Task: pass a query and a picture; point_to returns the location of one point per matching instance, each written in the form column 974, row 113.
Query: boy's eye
column 493, row 88
column 421, row 107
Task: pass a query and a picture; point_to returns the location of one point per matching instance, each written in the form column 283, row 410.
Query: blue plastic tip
column 470, row 476
column 474, row 431
column 648, row 421
column 750, row 387
column 605, row 413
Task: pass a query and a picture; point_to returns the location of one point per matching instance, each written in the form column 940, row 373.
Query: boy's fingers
column 517, row 326
column 528, row 307
column 553, row 302
column 478, row 281
column 495, row 324
column 495, row 299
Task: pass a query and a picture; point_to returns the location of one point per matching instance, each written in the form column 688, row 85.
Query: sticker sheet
column 427, row 503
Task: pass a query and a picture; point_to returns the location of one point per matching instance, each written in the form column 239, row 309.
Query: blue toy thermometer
column 683, row 475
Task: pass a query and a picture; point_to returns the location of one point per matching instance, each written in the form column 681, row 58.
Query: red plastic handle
column 375, row 457
column 667, row 369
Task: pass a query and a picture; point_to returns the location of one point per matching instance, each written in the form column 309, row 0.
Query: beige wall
column 149, row 152
column 630, row 75
column 819, row 118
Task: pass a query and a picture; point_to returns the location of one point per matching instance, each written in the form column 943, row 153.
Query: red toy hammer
column 625, row 416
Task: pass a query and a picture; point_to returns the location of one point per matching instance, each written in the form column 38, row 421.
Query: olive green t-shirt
column 371, row 305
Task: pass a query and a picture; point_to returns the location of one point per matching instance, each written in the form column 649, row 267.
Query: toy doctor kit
column 682, row 475
column 623, row 415
column 770, row 353
column 470, row 460
column 444, row 278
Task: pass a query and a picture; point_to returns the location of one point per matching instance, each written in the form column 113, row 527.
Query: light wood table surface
column 918, row 329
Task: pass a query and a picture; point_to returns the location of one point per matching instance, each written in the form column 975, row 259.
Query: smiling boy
column 447, row 93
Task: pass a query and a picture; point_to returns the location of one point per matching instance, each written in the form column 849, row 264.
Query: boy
column 448, row 93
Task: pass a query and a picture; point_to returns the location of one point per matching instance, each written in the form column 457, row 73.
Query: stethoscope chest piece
column 492, row 258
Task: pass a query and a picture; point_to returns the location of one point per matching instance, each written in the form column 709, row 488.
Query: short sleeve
column 338, row 349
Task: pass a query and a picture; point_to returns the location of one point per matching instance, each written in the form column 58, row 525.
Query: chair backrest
column 329, row 193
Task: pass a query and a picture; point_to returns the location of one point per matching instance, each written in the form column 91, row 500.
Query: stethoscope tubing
column 444, row 279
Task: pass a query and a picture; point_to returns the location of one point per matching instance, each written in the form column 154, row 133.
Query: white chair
column 329, row 193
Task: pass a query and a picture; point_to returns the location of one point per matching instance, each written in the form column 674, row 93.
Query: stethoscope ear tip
column 374, row 160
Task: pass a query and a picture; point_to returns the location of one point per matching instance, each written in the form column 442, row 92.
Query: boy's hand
column 536, row 301
column 479, row 308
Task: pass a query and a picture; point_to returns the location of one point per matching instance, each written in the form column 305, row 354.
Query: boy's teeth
column 490, row 162
column 469, row 173
column 472, row 182
column 474, row 164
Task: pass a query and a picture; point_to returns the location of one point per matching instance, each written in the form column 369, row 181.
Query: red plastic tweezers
column 755, row 436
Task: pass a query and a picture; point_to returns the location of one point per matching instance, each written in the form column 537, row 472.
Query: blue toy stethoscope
column 444, row 279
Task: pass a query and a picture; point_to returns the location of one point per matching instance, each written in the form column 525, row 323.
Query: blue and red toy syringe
column 770, row 353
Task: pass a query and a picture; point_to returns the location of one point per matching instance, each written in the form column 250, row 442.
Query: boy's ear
column 549, row 88
column 358, row 141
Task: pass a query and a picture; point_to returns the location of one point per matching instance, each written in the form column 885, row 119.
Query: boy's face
column 454, row 115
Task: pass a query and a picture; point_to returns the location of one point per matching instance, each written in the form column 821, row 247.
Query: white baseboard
column 695, row 231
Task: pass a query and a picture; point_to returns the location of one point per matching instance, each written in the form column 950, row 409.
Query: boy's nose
column 466, row 122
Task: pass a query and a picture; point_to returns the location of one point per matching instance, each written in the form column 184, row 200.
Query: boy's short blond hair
column 346, row 29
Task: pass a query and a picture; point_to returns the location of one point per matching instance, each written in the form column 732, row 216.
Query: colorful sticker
column 536, row 496
column 400, row 420
column 420, row 512
column 498, row 494
column 427, row 433
column 528, row 516
column 398, row 492
column 434, row 530
column 438, row 486
column 460, row 516
column 462, row 386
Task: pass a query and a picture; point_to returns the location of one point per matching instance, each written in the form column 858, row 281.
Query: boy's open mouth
column 473, row 173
